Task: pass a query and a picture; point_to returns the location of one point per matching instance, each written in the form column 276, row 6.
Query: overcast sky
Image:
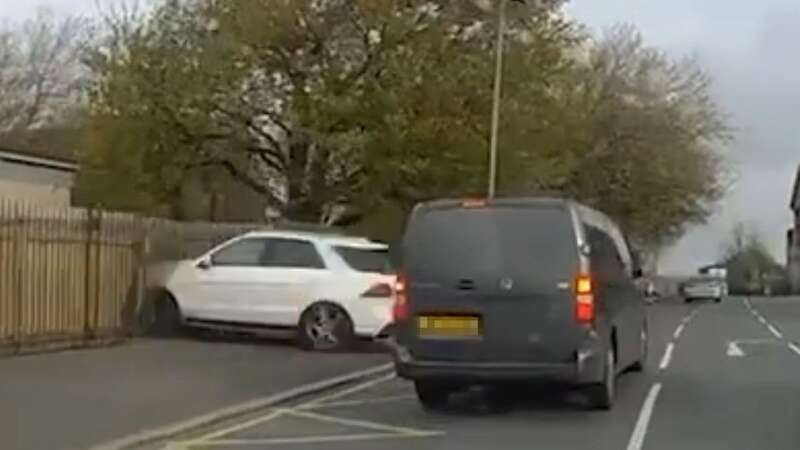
column 750, row 47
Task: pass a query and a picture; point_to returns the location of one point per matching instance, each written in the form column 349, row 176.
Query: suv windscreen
column 532, row 245
column 371, row 260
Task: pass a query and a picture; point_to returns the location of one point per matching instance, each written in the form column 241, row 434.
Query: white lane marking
column 683, row 323
column 794, row 347
column 217, row 437
column 775, row 331
column 278, row 412
column 165, row 432
column 772, row 329
column 665, row 360
column 319, row 439
column 368, row 401
column 344, row 393
column 734, row 349
column 640, row 431
column 358, row 423
column 234, row 428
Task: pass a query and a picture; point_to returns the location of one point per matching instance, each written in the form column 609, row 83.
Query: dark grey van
column 516, row 289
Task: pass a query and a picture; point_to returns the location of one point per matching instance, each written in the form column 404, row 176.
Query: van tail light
column 378, row 290
column 584, row 300
column 400, row 310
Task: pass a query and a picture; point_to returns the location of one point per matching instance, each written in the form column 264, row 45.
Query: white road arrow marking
column 734, row 350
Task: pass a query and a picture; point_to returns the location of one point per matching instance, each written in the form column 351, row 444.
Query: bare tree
column 40, row 70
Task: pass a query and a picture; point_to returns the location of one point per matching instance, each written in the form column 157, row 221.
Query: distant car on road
column 328, row 289
column 516, row 289
column 703, row 288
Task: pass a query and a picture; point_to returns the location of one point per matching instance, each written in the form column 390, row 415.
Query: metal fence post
column 88, row 309
column 19, row 272
column 97, row 226
column 142, row 251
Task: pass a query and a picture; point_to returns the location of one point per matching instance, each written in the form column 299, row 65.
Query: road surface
column 77, row 399
column 718, row 377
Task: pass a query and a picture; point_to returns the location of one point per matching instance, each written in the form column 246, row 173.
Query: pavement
column 718, row 377
column 80, row 399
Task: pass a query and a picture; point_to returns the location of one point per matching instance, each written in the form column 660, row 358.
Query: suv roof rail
column 306, row 227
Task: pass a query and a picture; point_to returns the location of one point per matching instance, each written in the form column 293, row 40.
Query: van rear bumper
column 587, row 368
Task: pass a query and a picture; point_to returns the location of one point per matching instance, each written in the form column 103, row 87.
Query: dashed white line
column 678, row 331
column 665, row 360
column 640, row 431
column 772, row 329
column 775, row 331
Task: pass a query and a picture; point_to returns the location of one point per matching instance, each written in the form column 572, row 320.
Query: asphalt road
column 77, row 399
column 718, row 377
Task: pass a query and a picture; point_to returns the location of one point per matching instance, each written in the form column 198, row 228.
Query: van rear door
column 508, row 267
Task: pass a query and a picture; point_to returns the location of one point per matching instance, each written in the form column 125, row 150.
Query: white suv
column 330, row 289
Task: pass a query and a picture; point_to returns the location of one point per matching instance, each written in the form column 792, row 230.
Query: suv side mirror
column 204, row 264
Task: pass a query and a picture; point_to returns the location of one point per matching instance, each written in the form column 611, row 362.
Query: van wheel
column 432, row 395
column 602, row 394
column 718, row 300
column 638, row 366
column 325, row 327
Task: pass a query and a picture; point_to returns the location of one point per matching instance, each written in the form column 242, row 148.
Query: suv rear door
column 510, row 266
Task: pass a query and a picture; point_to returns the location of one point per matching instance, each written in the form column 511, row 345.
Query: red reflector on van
column 584, row 300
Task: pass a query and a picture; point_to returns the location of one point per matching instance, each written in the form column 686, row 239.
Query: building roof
column 29, row 158
column 795, row 201
column 33, row 159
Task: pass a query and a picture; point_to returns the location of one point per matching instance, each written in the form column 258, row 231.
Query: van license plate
column 449, row 326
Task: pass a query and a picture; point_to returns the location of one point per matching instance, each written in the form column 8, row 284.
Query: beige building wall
column 49, row 195
column 36, row 181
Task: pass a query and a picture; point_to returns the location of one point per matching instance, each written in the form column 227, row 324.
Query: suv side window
column 606, row 260
column 292, row 253
column 247, row 252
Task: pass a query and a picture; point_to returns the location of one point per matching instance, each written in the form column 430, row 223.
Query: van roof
column 585, row 211
column 586, row 214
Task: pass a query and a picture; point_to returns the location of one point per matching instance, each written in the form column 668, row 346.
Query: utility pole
column 498, row 93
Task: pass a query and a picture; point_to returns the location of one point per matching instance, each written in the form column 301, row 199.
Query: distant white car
column 704, row 288
column 329, row 289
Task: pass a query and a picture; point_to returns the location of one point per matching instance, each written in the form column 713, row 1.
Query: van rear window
column 534, row 244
